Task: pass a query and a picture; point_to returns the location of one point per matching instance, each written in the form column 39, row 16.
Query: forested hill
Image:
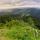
column 35, row 12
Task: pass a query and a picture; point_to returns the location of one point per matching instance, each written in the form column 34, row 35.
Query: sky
column 6, row 1
column 22, row 2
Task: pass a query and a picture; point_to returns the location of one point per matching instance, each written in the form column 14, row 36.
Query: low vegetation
column 14, row 28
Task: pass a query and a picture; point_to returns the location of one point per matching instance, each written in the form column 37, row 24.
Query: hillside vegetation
column 19, row 28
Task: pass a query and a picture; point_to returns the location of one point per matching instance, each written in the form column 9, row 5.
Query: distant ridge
column 34, row 12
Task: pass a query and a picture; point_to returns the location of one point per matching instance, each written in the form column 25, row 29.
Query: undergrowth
column 19, row 29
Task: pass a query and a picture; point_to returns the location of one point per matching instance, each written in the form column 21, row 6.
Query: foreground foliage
column 19, row 29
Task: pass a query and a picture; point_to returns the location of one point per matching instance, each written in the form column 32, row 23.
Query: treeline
column 32, row 21
column 8, row 18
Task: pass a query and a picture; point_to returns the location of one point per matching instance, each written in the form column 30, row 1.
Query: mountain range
column 34, row 12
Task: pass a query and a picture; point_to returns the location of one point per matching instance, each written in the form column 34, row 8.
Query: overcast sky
column 38, row 1
column 22, row 2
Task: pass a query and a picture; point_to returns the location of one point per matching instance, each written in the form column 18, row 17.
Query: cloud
column 26, row 2
column 22, row 2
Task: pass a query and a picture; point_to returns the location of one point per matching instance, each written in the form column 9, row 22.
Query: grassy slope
column 19, row 30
